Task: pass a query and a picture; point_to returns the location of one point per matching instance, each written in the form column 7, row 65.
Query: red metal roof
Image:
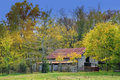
column 65, row 52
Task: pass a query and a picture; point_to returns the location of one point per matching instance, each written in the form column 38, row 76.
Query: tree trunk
column 107, row 67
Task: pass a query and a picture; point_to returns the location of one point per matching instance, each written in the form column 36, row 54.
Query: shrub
column 45, row 67
column 5, row 69
column 22, row 67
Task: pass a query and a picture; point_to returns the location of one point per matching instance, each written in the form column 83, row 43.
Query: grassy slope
column 65, row 76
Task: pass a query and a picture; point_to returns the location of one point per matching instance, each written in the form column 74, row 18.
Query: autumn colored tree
column 20, row 13
column 21, row 21
column 74, row 57
column 56, row 37
column 9, row 51
column 102, row 43
column 53, row 36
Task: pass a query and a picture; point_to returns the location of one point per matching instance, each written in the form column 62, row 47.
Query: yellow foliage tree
column 60, row 58
column 74, row 57
column 103, row 42
column 56, row 37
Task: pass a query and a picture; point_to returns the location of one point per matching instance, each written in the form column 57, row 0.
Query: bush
column 5, row 69
column 22, row 67
column 45, row 67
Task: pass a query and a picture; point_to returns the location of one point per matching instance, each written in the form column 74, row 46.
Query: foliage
column 20, row 13
column 22, row 67
column 31, row 34
column 5, row 46
column 102, row 43
column 45, row 67
column 59, row 58
column 78, row 44
column 4, row 69
column 55, row 36
column 17, row 37
column 85, row 21
column 74, row 56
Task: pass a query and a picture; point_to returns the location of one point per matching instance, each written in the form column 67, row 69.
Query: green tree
column 103, row 42
column 80, row 17
column 9, row 54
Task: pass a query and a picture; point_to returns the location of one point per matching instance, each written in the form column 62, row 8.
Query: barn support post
column 77, row 65
column 51, row 67
column 60, row 67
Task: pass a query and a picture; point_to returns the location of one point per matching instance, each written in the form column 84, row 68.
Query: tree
column 56, row 37
column 80, row 21
column 18, row 36
column 64, row 20
column 51, row 37
column 20, row 13
column 9, row 51
column 103, row 42
column 74, row 56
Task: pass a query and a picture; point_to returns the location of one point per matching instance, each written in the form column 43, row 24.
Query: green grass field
column 64, row 76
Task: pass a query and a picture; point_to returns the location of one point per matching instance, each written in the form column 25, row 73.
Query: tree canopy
column 103, row 42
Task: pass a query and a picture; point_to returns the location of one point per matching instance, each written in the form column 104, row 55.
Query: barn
column 82, row 64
